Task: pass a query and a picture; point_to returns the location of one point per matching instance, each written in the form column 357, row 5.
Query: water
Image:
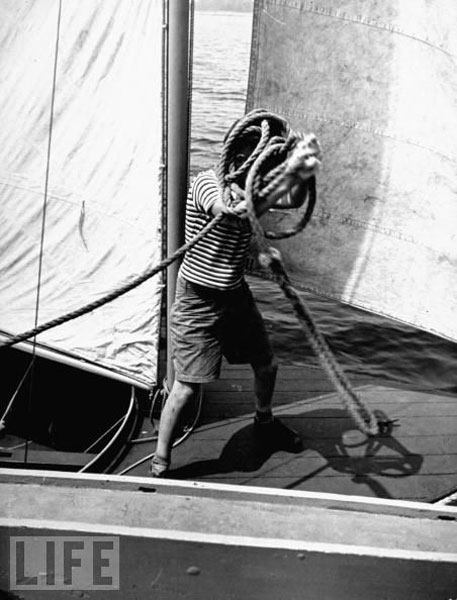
column 364, row 343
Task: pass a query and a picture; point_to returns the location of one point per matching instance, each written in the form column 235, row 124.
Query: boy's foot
column 159, row 466
column 277, row 435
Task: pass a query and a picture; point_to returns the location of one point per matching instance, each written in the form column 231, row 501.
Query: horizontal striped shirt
column 218, row 260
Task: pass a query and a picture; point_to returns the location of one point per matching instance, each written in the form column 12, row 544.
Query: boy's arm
column 207, row 197
column 284, row 198
column 281, row 198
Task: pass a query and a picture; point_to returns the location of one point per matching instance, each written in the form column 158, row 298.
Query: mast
column 177, row 144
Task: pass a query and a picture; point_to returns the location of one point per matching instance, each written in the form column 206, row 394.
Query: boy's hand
column 305, row 158
column 239, row 211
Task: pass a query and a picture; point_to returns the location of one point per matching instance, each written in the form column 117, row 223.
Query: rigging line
column 43, row 220
column 48, row 163
column 13, row 398
column 22, row 337
column 110, row 444
column 104, row 434
column 190, row 77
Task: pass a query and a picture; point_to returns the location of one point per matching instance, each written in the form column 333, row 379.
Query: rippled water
column 364, row 343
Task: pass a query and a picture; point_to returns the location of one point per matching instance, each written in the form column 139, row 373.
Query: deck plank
column 417, row 462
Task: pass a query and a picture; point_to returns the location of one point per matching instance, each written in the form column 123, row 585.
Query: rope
column 44, row 214
column 270, row 257
column 13, row 398
column 115, row 293
column 48, row 160
column 190, row 76
column 303, row 222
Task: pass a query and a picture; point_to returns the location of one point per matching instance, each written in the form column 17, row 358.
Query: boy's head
column 247, row 138
column 278, row 125
column 243, row 147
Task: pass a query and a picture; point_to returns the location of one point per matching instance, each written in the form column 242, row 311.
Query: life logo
column 64, row 563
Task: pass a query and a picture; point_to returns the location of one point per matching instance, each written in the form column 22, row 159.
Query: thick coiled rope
column 270, row 257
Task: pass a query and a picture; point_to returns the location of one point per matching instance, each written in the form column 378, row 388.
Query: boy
column 214, row 313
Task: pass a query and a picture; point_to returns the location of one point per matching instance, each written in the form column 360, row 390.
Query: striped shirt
column 218, row 260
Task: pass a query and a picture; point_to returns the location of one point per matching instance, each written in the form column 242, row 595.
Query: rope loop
column 275, row 165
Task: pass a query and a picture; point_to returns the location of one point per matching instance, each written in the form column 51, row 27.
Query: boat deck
column 418, row 461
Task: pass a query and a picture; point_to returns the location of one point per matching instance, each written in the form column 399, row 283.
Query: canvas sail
column 377, row 83
column 81, row 129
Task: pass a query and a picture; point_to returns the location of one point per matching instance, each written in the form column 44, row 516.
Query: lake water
column 363, row 343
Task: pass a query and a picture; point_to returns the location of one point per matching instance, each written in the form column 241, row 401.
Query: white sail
column 81, row 129
column 377, row 83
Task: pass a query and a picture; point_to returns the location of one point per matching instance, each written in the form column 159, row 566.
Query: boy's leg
column 181, row 393
column 270, row 430
column 264, row 385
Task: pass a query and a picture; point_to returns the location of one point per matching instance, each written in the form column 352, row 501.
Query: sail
column 81, row 129
column 377, row 83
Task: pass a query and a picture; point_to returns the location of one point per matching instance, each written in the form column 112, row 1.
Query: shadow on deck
column 418, row 461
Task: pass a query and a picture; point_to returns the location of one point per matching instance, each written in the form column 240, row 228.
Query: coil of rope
column 274, row 161
column 260, row 174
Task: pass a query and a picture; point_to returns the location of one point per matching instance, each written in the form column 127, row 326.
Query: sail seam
column 385, row 133
column 358, row 19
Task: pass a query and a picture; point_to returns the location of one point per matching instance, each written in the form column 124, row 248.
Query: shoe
column 278, row 436
column 159, row 466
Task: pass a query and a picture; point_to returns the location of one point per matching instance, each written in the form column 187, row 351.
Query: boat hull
column 180, row 539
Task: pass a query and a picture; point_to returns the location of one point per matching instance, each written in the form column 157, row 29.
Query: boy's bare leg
column 181, row 394
column 264, row 386
column 271, row 431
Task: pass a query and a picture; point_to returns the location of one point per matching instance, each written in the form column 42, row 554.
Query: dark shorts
column 206, row 324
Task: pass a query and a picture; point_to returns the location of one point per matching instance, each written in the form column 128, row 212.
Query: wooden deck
column 417, row 462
